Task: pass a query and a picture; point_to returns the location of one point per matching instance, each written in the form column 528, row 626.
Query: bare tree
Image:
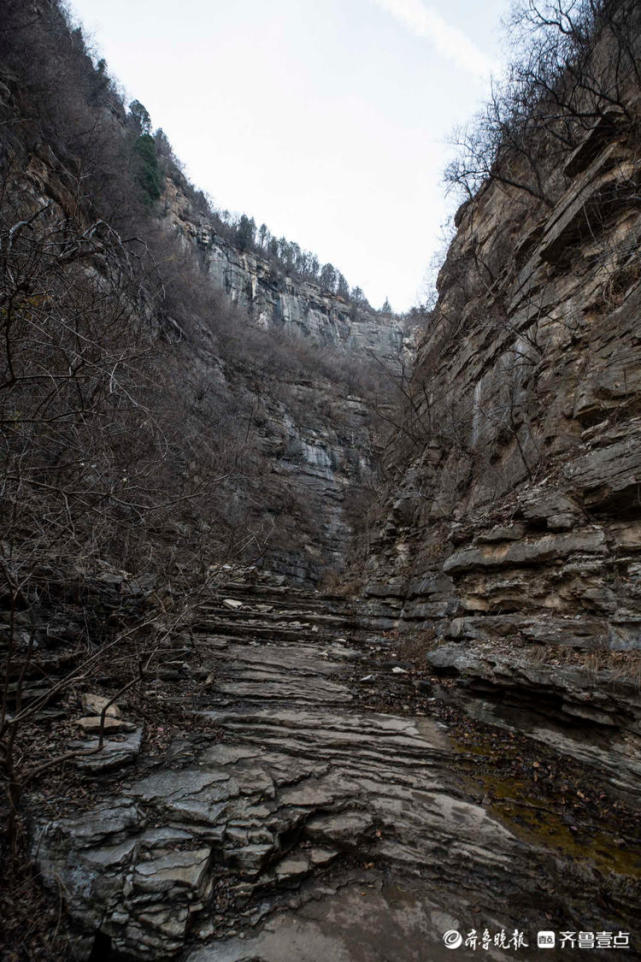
column 575, row 64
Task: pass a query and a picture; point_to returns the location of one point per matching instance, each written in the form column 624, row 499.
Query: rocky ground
column 309, row 790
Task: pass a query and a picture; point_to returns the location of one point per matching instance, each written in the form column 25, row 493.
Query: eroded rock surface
column 594, row 719
column 301, row 828
column 273, row 298
column 513, row 527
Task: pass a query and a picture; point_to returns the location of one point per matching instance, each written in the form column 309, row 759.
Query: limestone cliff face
column 318, row 443
column 517, row 514
column 318, row 440
column 276, row 300
column 303, row 437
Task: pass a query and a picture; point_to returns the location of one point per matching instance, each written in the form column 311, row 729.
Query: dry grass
column 339, row 584
column 412, row 647
column 621, row 666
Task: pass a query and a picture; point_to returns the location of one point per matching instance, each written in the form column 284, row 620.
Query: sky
column 328, row 120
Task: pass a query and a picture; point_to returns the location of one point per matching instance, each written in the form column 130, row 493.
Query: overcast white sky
column 326, row 119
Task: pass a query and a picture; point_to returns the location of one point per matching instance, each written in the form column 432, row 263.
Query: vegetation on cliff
column 512, row 517
column 148, row 430
column 151, row 434
column 576, row 67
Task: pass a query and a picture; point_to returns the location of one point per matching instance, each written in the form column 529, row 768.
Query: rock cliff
column 321, row 440
column 269, row 367
column 513, row 524
column 274, row 298
column 205, row 762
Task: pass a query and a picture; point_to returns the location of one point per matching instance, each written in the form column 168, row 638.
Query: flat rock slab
column 178, row 868
column 94, row 704
column 93, row 723
column 358, row 924
column 113, row 754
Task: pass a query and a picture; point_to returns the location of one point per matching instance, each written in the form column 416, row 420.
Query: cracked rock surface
column 312, row 830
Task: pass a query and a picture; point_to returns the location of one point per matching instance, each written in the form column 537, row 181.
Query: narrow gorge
column 321, row 626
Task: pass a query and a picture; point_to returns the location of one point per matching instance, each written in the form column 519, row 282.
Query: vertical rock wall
column 318, row 436
column 276, row 300
column 517, row 517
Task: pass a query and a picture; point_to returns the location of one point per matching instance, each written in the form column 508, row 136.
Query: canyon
column 328, row 643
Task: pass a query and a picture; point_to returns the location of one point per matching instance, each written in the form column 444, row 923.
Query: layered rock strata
column 301, row 827
column 277, row 299
column 316, row 438
column 514, row 523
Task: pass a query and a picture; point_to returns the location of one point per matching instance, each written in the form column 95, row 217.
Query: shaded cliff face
column 316, row 431
column 518, row 517
column 261, row 396
column 276, row 300
column 318, row 443
column 510, row 543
